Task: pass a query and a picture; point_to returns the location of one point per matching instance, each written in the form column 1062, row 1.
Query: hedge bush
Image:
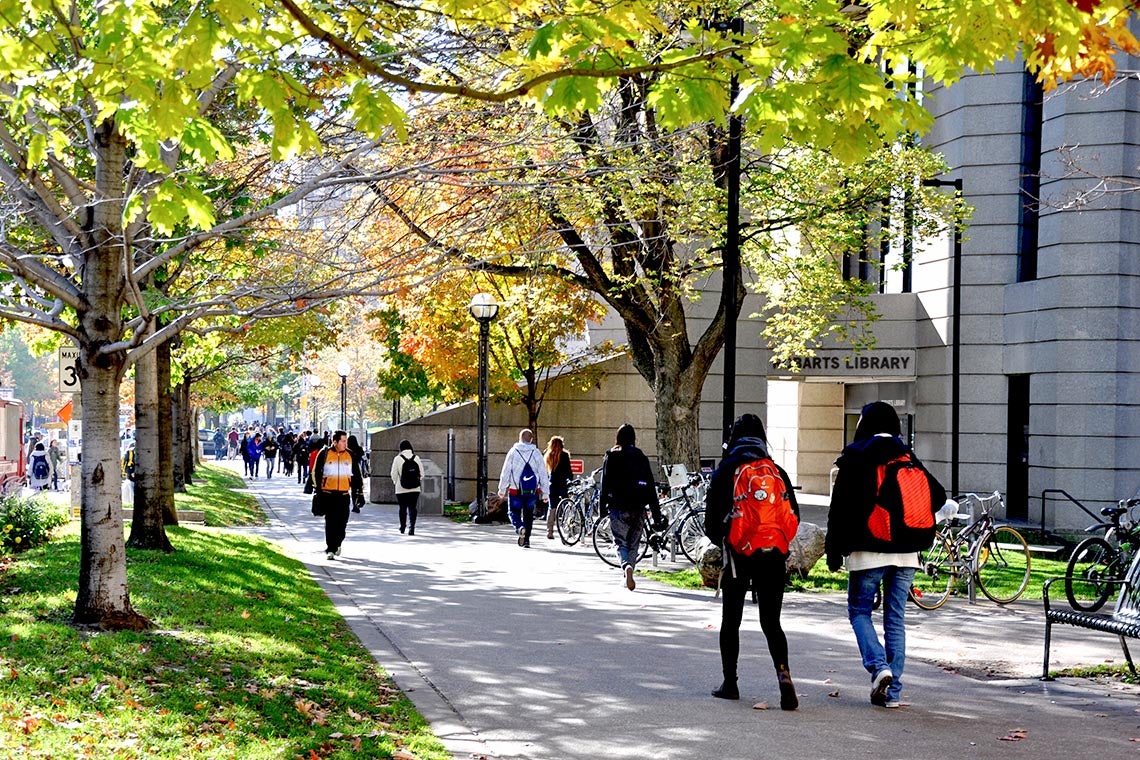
column 27, row 521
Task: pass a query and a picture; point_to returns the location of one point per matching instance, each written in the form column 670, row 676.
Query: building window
column 1029, row 178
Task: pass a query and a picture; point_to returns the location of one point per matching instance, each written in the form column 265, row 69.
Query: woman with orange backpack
column 751, row 512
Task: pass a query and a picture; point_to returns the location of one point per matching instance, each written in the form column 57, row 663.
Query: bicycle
column 578, row 512
column 685, row 529
column 1096, row 562
column 994, row 557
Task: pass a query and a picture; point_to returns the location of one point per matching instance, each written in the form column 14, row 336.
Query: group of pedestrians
column 752, row 515
column 47, row 464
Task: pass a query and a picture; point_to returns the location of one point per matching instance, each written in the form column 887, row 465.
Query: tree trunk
column 167, row 446
column 677, row 406
column 103, row 598
column 147, row 531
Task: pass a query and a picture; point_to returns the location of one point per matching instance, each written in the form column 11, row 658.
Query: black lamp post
column 483, row 309
column 343, row 369
column 955, row 341
column 314, row 384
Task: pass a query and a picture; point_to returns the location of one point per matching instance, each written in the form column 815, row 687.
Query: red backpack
column 762, row 516
column 906, row 498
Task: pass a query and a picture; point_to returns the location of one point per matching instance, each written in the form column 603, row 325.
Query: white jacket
column 520, row 454
column 398, row 467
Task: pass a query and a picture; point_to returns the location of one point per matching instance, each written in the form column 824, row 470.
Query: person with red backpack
column 883, row 510
column 751, row 512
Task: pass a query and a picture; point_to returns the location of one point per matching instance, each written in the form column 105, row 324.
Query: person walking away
column 558, row 465
column 316, row 443
column 219, row 445
column 269, row 450
column 301, row 452
column 243, row 449
column 39, row 468
column 628, row 487
column 287, row 457
column 336, row 476
column 57, row 460
column 523, row 480
column 407, row 480
column 752, row 514
column 883, row 510
column 254, row 448
column 233, row 438
column 353, row 446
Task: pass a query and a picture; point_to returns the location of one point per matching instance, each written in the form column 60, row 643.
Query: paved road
column 543, row 654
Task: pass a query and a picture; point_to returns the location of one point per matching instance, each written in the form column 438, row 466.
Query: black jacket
column 718, row 499
column 560, row 477
column 853, row 499
column 627, row 481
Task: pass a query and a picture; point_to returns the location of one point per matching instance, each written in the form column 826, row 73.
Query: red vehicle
column 13, row 468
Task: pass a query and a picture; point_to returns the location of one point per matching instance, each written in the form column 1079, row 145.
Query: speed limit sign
column 68, row 369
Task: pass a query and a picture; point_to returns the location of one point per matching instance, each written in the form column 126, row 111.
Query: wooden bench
column 1124, row 621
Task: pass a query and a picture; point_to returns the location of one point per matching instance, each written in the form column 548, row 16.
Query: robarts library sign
column 835, row 363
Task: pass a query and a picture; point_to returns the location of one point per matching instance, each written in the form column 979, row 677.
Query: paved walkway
column 543, row 654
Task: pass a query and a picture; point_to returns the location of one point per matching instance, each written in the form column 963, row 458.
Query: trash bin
column 431, row 488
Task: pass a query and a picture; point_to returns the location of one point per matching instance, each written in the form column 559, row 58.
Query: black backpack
column 40, row 468
column 410, row 473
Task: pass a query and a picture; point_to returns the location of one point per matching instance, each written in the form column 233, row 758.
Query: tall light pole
column 483, row 309
column 343, row 369
column 315, row 383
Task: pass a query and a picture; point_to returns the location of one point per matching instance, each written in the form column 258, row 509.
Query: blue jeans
column 861, row 588
column 627, row 528
column 522, row 511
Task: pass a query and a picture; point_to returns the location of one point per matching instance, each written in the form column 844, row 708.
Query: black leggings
column 767, row 573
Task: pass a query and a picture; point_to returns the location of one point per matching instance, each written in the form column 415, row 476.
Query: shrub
column 27, row 521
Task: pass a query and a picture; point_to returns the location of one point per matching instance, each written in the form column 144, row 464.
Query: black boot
column 727, row 690
column 788, row 698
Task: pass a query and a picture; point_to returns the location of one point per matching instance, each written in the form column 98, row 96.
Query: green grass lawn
column 224, row 496
column 248, row 659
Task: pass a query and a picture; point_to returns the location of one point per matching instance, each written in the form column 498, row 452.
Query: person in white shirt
column 523, row 481
column 407, row 479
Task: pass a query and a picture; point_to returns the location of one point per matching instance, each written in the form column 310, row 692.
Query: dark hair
column 337, row 435
column 406, row 445
column 747, row 426
column 354, row 443
column 875, row 418
column 626, row 435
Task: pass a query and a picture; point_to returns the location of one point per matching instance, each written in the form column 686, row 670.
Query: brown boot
column 788, row 698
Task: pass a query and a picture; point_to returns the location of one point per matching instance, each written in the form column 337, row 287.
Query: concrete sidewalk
column 543, row 654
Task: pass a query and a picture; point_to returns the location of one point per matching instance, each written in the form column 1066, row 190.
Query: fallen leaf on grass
column 245, row 614
column 403, row 754
column 760, row 706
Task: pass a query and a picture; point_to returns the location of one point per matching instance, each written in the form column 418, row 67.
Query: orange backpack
column 762, row 516
column 906, row 498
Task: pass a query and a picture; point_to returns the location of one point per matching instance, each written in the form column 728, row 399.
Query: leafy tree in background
column 109, row 115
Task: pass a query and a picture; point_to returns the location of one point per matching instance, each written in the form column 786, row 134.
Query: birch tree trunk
column 147, row 531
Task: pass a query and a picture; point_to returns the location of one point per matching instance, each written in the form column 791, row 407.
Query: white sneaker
column 332, row 556
column 630, row 583
column 879, row 685
column 337, row 552
column 894, row 704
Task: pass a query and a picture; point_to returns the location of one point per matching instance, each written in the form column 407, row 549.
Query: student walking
column 880, row 537
column 523, row 480
column 628, row 487
column 407, row 479
column 269, row 450
column 337, row 478
column 58, row 462
column 751, row 512
column 558, row 465
column 253, row 447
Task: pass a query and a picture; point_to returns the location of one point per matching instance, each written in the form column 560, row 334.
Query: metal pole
column 344, row 403
column 481, row 482
column 731, row 264
column 956, row 356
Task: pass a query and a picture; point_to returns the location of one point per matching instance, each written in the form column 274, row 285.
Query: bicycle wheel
column 691, row 535
column 1002, row 568
column 1093, row 562
column 606, row 548
column 604, row 542
column 570, row 521
column 933, row 581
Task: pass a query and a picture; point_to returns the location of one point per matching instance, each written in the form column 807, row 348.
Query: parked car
column 206, row 442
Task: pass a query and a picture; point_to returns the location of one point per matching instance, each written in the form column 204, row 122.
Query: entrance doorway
column 1017, row 449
